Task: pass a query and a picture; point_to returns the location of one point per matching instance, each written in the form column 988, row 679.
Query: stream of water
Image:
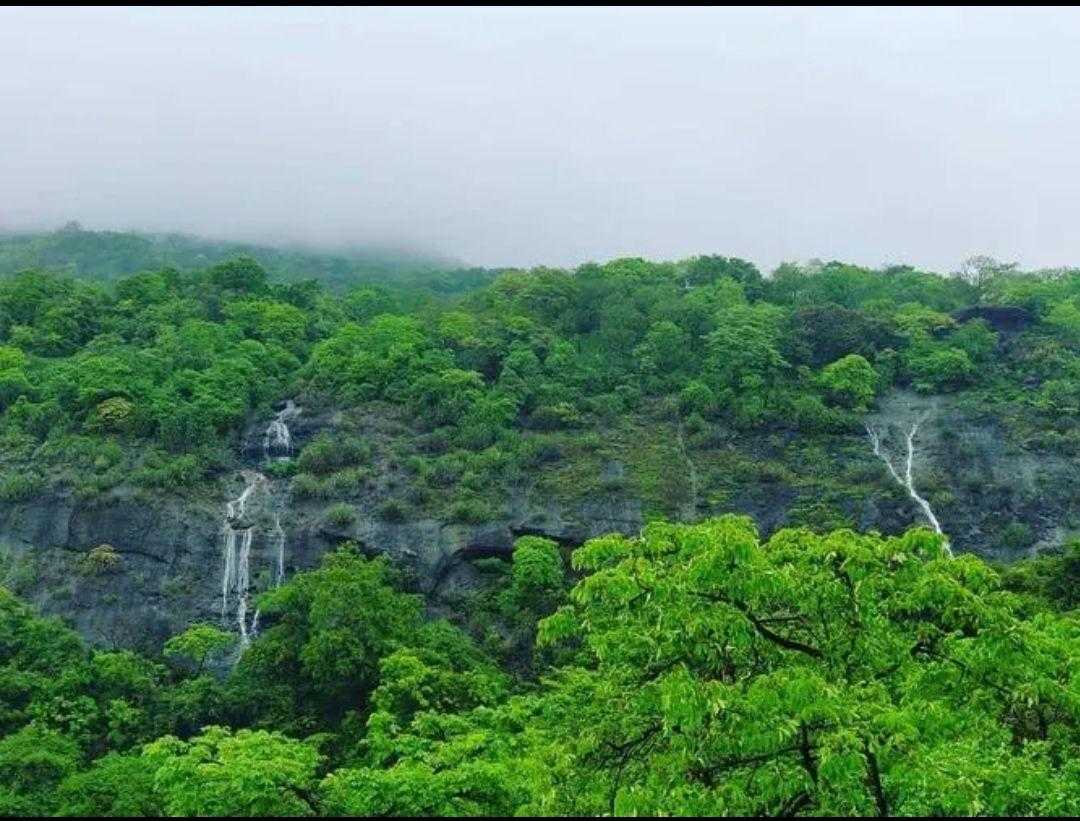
column 239, row 531
column 907, row 481
column 238, row 534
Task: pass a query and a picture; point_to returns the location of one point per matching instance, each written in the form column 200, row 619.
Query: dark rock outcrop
column 170, row 553
column 1002, row 318
column 992, row 497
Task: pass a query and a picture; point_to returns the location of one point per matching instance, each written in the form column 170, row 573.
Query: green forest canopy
column 152, row 376
column 111, row 255
column 693, row 670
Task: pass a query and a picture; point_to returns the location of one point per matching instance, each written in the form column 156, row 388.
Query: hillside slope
column 112, row 255
column 178, row 443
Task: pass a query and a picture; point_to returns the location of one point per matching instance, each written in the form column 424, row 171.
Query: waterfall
column 238, row 533
column 279, row 549
column 907, row 481
column 277, row 440
column 228, row 576
column 236, row 574
column 277, row 536
column 243, row 587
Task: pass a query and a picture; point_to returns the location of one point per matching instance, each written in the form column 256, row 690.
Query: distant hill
column 109, row 255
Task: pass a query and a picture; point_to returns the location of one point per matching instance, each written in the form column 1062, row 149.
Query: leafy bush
column 471, row 510
column 281, row 468
column 17, row 487
column 327, row 453
column 851, row 381
column 174, row 472
column 341, row 514
column 555, row 417
column 936, row 369
column 305, row 486
column 100, row 560
column 1016, row 536
column 393, row 510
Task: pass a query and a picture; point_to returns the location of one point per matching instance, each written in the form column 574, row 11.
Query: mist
column 554, row 136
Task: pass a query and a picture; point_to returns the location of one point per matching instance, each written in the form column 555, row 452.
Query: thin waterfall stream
column 238, row 534
column 907, row 481
column 239, row 531
column 277, row 440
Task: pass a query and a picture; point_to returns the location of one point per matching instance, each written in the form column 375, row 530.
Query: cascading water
column 279, row 549
column 238, row 534
column 907, row 481
column 237, row 539
column 277, row 537
column 277, row 440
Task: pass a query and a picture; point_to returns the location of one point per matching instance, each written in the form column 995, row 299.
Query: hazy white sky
column 517, row 136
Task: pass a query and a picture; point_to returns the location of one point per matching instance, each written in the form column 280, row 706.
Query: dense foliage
column 110, row 255
column 694, row 670
column 697, row 669
column 150, row 379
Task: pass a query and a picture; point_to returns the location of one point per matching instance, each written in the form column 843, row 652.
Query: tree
column 697, row 397
column 443, row 397
column 363, row 361
column 318, row 659
column 662, row 354
column 33, row 762
column 269, row 321
column 114, row 786
column 818, row 334
column 976, row 339
column 937, row 368
column 1064, row 318
column 840, row 674
column 250, row 773
column 14, row 385
column 242, row 274
column 536, row 577
column 457, row 787
column 850, row 380
column 442, row 738
column 198, row 644
column 743, row 360
column 980, row 270
column 707, row 269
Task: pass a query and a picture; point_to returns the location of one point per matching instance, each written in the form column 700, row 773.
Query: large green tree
column 840, row 674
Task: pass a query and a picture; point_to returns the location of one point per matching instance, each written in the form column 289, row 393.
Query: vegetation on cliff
column 540, row 376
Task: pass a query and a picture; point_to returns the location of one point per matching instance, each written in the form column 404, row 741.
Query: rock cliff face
column 991, row 496
column 169, row 563
column 166, row 563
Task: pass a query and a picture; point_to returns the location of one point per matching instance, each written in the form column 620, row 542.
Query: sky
column 554, row 136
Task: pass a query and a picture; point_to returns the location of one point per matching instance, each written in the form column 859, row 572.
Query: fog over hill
column 553, row 136
column 109, row 255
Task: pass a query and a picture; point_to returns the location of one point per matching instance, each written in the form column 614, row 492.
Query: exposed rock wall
column 170, row 549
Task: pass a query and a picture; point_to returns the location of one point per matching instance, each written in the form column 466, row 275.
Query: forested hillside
column 639, row 537
column 111, row 255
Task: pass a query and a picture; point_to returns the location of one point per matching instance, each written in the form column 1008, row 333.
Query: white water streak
column 237, row 539
column 279, row 549
column 236, row 547
column 907, row 481
column 277, row 439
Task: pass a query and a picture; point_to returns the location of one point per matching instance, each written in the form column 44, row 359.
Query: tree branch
column 763, row 629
